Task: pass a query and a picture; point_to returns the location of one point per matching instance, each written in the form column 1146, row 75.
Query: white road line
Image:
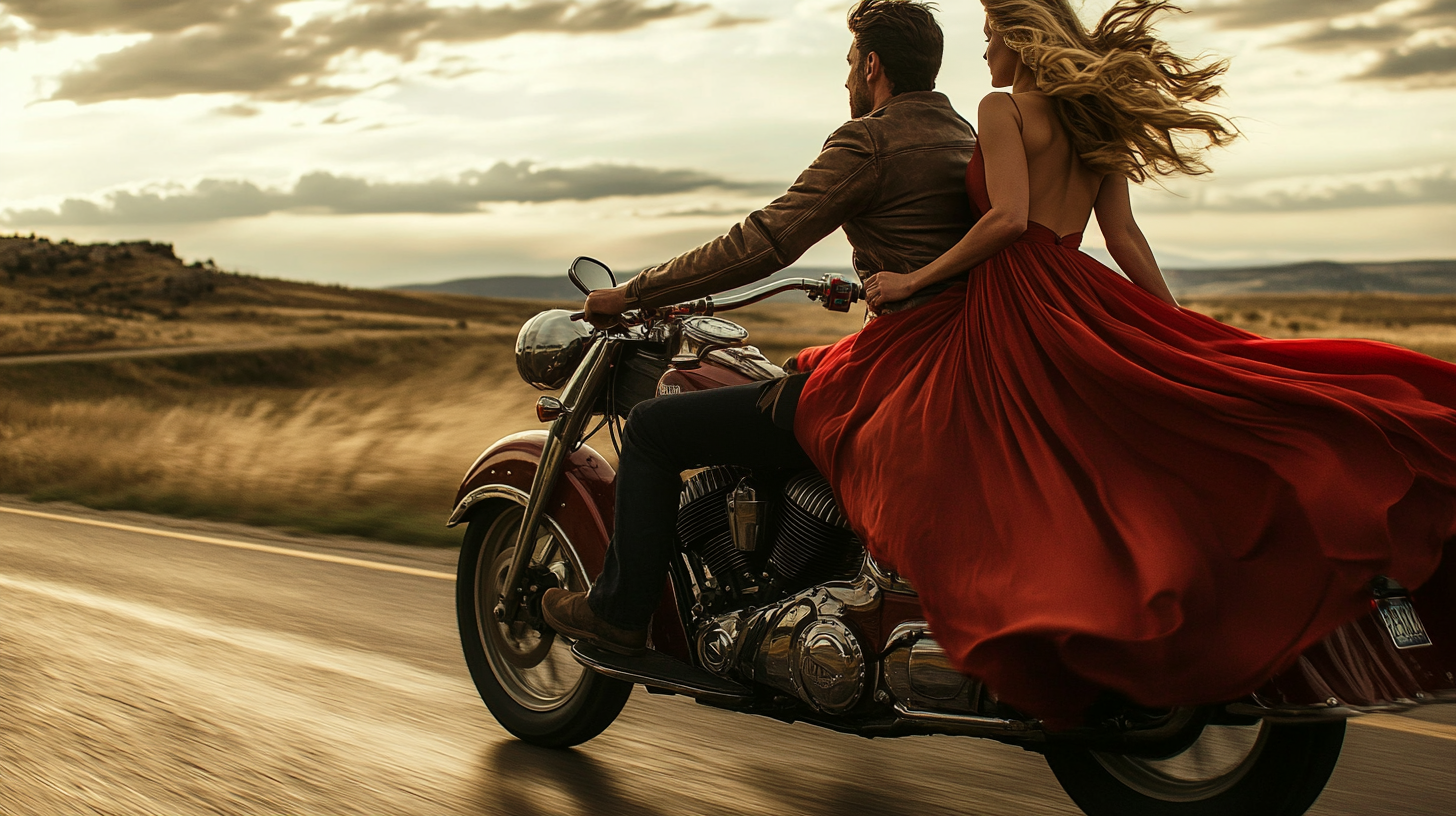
column 239, row 545
column 1405, row 726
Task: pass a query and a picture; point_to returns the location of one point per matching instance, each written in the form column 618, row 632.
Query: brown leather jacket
column 895, row 179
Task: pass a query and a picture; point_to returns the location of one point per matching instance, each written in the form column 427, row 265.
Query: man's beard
column 861, row 101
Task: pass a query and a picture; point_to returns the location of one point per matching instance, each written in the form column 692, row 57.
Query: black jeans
column 664, row 437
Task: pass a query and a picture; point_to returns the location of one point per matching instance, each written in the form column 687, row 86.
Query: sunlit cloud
column 1429, row 185
column 322, row 192
column 252, row 47
column 1410, row 43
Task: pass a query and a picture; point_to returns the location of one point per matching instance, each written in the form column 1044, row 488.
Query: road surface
column 152, row 666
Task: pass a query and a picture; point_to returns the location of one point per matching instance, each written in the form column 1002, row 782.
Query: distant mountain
column 521, row 287
column 1406, row 277
column 558, row 287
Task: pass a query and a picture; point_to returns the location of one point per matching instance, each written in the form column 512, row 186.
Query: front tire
column 525, row 674
column 1266, row 769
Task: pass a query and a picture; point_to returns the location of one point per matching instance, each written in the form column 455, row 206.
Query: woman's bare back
column 1062, row 191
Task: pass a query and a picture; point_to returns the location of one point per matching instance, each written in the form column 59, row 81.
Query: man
column 894, row 178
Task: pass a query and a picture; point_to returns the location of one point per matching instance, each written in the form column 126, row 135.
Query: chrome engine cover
column 920, row 675
column 829, row 666
column 801, row 645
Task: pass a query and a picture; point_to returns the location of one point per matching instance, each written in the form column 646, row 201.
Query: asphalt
column 152, row 666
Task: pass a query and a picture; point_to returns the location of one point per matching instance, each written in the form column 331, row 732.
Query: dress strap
column 1019, row 119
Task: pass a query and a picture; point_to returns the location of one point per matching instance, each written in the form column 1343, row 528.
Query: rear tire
column 1258, row 770
column 525, row 674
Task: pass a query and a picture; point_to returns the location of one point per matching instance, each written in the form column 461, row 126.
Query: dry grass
column 370, row 436
column 368, row 441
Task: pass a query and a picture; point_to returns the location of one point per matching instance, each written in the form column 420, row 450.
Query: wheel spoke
column 539, row 683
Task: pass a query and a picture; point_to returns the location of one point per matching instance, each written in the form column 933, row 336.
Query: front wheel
column 525, row 674
column 1265, row 769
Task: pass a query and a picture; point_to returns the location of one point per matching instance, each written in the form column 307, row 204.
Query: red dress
column 1091, row 489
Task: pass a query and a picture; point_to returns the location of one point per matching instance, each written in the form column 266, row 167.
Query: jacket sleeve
column 837, row 186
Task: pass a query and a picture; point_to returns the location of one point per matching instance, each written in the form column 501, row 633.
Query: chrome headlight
column 550, row 347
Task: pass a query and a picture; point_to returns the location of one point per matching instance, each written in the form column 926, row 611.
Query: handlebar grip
column 578, row 315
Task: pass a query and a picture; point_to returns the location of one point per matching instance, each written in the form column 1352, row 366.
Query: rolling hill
column 1406, row 277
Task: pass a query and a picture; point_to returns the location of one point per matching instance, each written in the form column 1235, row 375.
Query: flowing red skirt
column 1093, row 490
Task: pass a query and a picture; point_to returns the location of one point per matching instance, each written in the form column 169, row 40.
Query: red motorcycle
column 775, row 608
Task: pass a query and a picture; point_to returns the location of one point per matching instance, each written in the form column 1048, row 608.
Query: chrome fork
column 577, row 401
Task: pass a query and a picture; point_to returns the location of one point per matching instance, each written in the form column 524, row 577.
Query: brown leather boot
column 569, row 614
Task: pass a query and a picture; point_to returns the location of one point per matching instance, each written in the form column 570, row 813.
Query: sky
column 383, row 142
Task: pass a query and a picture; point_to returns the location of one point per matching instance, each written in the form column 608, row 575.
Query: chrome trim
column 971, row 724
column 765, row 292
column 1308, row 714
column 909, row 632
column 480, row 494
column 888, row 581
column 658, row 682
column 746, row 360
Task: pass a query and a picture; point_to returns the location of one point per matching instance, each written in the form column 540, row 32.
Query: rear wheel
column 525, row 674
column 1265, row 769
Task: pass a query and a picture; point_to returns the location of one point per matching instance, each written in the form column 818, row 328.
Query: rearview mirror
column 590, row 274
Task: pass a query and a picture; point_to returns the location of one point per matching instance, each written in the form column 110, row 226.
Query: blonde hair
column 1126, row 100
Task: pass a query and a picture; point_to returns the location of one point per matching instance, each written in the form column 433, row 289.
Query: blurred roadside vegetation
column 354, row 411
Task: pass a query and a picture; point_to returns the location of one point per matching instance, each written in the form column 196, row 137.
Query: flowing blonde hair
column 1126, row 100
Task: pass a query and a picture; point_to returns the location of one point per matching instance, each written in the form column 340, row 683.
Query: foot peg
column 658, row 671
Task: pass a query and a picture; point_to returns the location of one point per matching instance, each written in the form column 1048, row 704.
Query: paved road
column 147, row 674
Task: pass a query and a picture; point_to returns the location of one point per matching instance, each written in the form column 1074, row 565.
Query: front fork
column 581, row 396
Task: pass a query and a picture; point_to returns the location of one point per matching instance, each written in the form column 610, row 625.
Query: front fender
column 583, row 505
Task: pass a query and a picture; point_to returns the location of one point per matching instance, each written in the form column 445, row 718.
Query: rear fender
column 583, row 506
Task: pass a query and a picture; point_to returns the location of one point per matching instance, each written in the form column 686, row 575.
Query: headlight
column 550, row 347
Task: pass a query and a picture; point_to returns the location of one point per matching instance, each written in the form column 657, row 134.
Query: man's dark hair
column 905, row 35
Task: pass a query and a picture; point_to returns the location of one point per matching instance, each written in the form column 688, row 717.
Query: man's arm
column 837, row 186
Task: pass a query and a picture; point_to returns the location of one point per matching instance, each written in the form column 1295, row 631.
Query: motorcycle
column 774, row 607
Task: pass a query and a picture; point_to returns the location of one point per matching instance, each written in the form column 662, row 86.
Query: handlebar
column 836, row 293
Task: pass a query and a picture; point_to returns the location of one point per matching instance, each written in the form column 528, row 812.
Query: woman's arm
column 1125, row 242
column 1006, row 182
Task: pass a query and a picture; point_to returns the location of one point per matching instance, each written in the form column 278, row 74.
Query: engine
column 776, row 580
column 777, row 560
column 756, row 550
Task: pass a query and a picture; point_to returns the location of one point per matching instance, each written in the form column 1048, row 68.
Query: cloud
column 1264, row 13
column 1414, row 45
column 128, row 16
column 525, row 182
column 250, row 47
column 1432, row 62
column 1348, row 38
column 1429, row 185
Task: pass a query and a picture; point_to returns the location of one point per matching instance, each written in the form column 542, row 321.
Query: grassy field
column 366, row 414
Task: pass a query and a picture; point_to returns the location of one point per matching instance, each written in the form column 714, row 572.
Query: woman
column 1090, row 487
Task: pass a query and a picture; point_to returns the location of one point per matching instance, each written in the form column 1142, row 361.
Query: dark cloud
column 1347, row 38
column 1434, row 186
column 1263, row 13
column 136, row 16
column 1432, row 63
column 1398, row 55
column 212, row 200
column 734, row 21
column 250, row 47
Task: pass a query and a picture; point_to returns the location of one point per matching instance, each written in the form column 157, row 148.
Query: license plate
column 1402, row 622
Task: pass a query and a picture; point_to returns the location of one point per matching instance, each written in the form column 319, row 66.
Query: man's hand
column 604, row 307
column 888, row 287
